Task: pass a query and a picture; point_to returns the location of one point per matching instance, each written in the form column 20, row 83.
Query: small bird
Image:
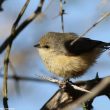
column 67, row 57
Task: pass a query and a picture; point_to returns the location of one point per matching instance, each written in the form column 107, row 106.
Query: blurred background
column 81, row 14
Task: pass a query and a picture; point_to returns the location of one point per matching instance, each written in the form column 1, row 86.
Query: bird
column 67, row 55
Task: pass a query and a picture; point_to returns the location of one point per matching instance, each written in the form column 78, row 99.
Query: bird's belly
column 66, row 66
column 69, row 66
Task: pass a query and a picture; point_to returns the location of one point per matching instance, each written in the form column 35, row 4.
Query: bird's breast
column 62, row 65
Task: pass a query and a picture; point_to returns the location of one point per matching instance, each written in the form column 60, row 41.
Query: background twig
column 94, row 25
column 62, row 12
column 6, row 59
column 19, row 16
column 22, row 26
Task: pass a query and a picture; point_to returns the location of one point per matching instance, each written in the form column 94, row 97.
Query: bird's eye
column 46, row 46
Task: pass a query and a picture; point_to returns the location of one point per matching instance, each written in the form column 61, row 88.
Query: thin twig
column 22, row 26
column 15, row 24
column 49, row 4
column 62, row 83
column 62, row 11
column 88, row 84
column 45, row 78
column 6, row 59
column 14, row 75
column 23, row 78
column 5, row 90
column 98, row 88
column 94, row 25
column 71, row 95
column 81, row 89
column 19, row 16
column 8, row 43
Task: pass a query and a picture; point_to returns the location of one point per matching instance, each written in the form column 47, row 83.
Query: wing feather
column 82, row 45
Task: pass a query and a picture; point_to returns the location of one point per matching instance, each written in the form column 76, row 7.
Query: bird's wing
column 82, row 45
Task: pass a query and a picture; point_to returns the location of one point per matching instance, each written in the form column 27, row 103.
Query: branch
column 6, row 59
column 5, row 90
column 22, row 78
column 22, row 26
column 70, row 98
column 102, row 88
column 19, row 16
column 61, row 83
column 62, row 12
column 94, row 25
column 8, row 43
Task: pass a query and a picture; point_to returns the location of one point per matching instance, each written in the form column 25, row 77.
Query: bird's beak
column 37, row 45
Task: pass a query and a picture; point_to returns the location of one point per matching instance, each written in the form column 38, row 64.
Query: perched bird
column 66, row 58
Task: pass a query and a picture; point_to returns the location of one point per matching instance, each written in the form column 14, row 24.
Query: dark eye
column 46, row 46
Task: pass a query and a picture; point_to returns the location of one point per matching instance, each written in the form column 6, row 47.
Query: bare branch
column 6, row 59
column 19, row 16
column 94, row 25
column 9, row 42
column 71, row 98
column 5, row 90
column 24, row 78
column 62, row 83
column 62, row 12
column 22, row 26
column 95, row 91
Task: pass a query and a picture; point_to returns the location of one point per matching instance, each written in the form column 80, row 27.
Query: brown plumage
column 66, row 60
